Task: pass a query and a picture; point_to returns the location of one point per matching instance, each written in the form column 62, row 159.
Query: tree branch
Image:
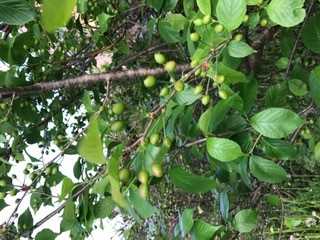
column 85, row 81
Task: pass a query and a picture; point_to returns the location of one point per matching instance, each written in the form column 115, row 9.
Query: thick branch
column 85, row 80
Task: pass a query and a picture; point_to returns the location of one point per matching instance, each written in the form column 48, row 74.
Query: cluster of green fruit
column 118, row 109
column 169, row 66
column 143, row 178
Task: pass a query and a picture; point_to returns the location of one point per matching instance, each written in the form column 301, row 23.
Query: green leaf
column 279, row 149
column 113, row 177
column 186, row 222
column 177, row 21
column 316, row 152
column 213, row 116
column 68, row 217
column 231, row 75
column 168, row 33
column 311, row 34
column 248, row 93
column 298, row 87
column 156, row 4
column 245, row 220
column 224, row 205
column 99, row 186
column 90, row 145
column 204, row 231
column 67, row 186
column 56, row 13
column 46, row 234
column 104, row 208
column 188, row 7
column 267, row 171
column 25, row 221
column 187, row 96
column 142, row 206
column 276, row 95
column 103, row 20
column 231, row 13
column 286, row 13
column 204, row 6
column 15, row 12
column 276, row 122
column 253, row 2
column 223, row 149
column 239, row 49
column 314, row 84
column 292, row 222
column 190, row 182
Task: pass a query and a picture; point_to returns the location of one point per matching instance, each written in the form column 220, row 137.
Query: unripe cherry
column 179, row 85
column 205, row 100
column 218, row 28
column 159, row 58
column 195, row 37
column 143, row 176
column 170, row 66
column 149, row 81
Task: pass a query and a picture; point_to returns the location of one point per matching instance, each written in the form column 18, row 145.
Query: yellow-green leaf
column 90, row 146
column 56, row 13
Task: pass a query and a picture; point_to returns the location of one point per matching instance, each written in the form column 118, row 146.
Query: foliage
column 181, row 114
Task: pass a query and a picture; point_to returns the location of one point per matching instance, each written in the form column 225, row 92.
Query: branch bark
column 85, row 81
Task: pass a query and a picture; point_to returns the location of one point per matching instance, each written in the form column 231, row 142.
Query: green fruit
column 198, row 89
column 26, row 171
column 246, row 18
column 156, row 169
column 154, row 139
column 238, row 37
column 117, row 126
column 195, row 37
column 206, row 19
column 143, row 191
column 220, row 79
column 118, row 108
column 143, row 177
column 198, row 22
column 124, row 175
column 205, row 100
column 194, row 63
column 223, row 94
column 54, row 170
column 218, row 28
column 13, row 192
column 167, row 142
column 159, row 58
column 164, row 92
column 170, row 66
column 150, row 82
column 263, row 22
column 179, row 85
column 3, row 183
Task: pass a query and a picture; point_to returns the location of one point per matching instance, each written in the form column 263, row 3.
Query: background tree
column 199, row 119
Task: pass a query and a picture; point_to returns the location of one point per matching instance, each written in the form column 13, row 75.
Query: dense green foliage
column 202, row 138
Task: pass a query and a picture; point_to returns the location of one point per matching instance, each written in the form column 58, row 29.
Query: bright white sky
column 111, row 226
